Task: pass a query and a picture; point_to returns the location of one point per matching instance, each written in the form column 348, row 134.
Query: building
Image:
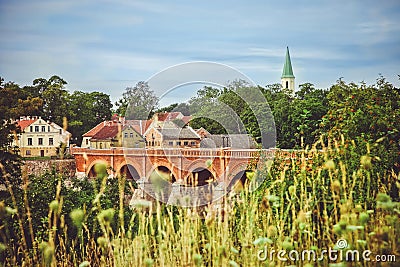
column 117, row 132
column 168, row 134
column 40, row 138
column 168, row 129
column 287, row 78
column 237, row 141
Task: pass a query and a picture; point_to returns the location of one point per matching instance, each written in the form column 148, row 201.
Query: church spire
column 287, row 78
column 287, row 68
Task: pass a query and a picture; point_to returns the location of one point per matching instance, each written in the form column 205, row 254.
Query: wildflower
column 149, row 262
column 77, row 217
column 363, row 218
column 140, row 203
column 272, row 231
column 48, row 254
column 335, row 186
column 106, row 216
column 197, row 259
column 365, row 162
column 53, row 205
column 329, row 165
column 84, row 264
column 102, row 241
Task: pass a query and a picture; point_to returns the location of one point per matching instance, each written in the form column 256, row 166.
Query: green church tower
column 287, row 79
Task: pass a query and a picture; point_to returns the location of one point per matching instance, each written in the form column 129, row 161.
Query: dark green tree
column 86, row 110
column 9, row 159
column 55, row 98
column 137, row 102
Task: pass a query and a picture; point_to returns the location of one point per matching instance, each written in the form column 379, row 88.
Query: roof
column 95, row 129
column 107, row 132
column 243, row 141
column 287, row 68
column 25, row 123
column 168, row 116
column 186, row 119
column 178, row 133
column 139, row 126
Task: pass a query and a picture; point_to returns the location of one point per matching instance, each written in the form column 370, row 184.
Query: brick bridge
column 182, row 166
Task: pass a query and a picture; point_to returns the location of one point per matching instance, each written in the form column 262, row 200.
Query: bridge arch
column 199, row 174
column 131, row 165
column 90, row 172
column 238, row 177
column 129, row 171
column 165, row 171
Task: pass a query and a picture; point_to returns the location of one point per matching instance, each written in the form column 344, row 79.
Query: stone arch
column 164, row 170
column 199, row 167
column 200, row 176
column 129, row 171
column 134, row 166
column 238, row 175
column 90, row 172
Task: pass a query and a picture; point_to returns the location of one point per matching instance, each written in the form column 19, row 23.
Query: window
column 36, row 128
column 43, row 128
column 48, row 128
column 87, row 141
column 28, row 152
column 40, row 141
column 51, row 141
column 185, row 143
column 170, row 143
column 178, row 143
column 60, row 131
column 29, row 141
column 126, row 135
column 131, row 135
column 31, row 128
column 192, row 143
column 287, row 84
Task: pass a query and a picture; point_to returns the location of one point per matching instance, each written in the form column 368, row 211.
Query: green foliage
column 367, row 114
column 86, row 110
column 137, row 102
column 9, row 160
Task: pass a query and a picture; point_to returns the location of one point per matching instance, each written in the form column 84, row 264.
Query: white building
column 40, row 138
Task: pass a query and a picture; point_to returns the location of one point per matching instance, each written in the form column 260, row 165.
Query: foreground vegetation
column 326, row 193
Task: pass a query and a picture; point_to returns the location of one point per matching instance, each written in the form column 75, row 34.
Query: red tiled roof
column 139, row 126
column 95, row 129
column 107, row 132
column 25, row 123
column 186, row 119
column 168, row 116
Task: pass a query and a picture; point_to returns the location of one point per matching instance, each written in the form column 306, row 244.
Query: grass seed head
column 77, row 216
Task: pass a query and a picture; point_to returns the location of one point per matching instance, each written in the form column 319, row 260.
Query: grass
column 306, row 203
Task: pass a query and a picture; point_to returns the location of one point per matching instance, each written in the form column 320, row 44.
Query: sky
column 109, row 45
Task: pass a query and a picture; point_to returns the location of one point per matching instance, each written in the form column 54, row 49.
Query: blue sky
column 109, row 45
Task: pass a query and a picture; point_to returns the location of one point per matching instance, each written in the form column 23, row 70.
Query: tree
column 86, row 110
column 365, row 114
column 137, row 102
column 54, row 97
column 9, row 159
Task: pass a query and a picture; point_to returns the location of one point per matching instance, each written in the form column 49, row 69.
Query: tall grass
column 307, row 202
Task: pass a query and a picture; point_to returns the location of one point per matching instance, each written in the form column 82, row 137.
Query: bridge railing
column 185, row 152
